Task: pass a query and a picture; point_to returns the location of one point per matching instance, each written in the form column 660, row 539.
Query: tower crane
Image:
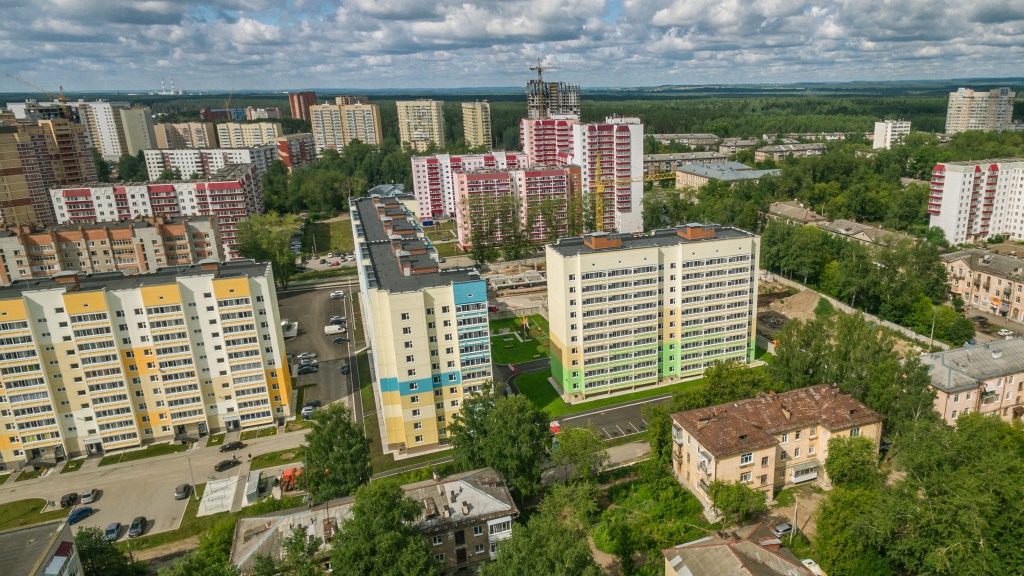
column 600, row 183
column 59, row 97
column 540, row 68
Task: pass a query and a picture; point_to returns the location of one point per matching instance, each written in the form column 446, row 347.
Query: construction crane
column 600, row 183
column 59, row 97
column 540, row 68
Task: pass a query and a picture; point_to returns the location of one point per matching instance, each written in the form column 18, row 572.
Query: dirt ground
column 808, row 500
column 800, row 306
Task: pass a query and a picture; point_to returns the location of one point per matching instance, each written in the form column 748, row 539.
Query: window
column 437, row 541
column 414, row 386
column 954, row 414
column 956, row 397
column 745, row 477
column 798, row 434
column 411, row 372
column 408, row 345
column 810, row 450
column 478, row 530
column 854, row 432
column 454, row 403
column 410, row 359
column 406, row 330
column 796, row 453
column 785, row 438
column 417, row 426
column 418, row 439
column 500, row 527
column 405, row 315
column 479, row 549
column 764, row 461
column 784, row 456
column 414, row 400
column 746, row 459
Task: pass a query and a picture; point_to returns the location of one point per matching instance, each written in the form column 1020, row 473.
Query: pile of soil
column 797, row 307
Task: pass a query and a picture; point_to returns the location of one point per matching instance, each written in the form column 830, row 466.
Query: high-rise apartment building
column 349, row 100
column 137, row 126
column 335, row 125
column 262, row 113
column 639, row 311
column 612, row 153
column 433, row 178
column 211, row 114
column 889, row 132
column 135, row 246
column 179, row 136
column 239, row 135
column 476, row 123
column 116, row 128
column 105, row 362
column 547, row 141
column 232, row 195
column 34, row 111
column 295, row 149
column 990, row 111
column 299, row 103
column 973, row 201
column 206, row 162
column 428, row 328
column 421, row 122
column 550, row 99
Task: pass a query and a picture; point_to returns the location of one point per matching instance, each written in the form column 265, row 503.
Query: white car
column 1005, row 332
column 337, row 294
column 306, row 355
column 813, row 567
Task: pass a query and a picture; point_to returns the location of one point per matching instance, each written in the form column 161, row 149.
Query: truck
column 332, row 330
column 289, row 479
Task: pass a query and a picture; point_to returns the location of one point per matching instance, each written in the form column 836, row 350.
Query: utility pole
column 796, row 511
column 192, row 477
column 931, row 337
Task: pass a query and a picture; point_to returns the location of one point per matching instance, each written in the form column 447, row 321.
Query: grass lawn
column 72, row 466
column 449, row 249
column 534, row 385
column 641, row 437
column 215, row 440
column 320, row 274
column 25, row 512
column 425, row 473
column 28, row 475
column 762, row 354
column 271, row 459
column 258, row 433
column 154, row 450
column 436, row 232
column 801, row 547
column 298, row 425
column 329, row 237
column 507, row 349
column 365, row 383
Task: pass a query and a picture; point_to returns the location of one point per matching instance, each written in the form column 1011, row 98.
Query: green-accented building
column 630, row 311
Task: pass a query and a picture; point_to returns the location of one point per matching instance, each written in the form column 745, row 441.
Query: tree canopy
column 336, row 455
column 267, row 238
column 101, row 557
column 737, row 502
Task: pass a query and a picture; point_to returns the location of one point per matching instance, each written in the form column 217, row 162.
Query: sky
column 107, row 45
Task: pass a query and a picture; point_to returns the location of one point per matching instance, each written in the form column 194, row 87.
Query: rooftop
column 794, row 211
column 990, row 263
column 384, row 190
column 745, row 551
column 229, row 173
column 386, row 270
column 459, row 500
column 142, row 222
column 964, row 368
column 791, row 147
column 663, row 237
column 971, row 163
column 22, row 550
column 751, row 424
column 725, row 171
column 682, row 156
column 870, row 233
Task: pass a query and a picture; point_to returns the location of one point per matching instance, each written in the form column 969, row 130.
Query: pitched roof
column 746, row 551
column 751, row 424
column 794, row 211
column 989, row 262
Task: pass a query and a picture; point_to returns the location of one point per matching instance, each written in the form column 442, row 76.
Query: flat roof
column 142, row 222
column 725, row 171
column 964, row 368
column 662, row 237
column 22, row 549
column 682, row 156
column 384, row 271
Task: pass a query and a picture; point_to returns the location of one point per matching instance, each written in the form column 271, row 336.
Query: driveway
column 807, row 500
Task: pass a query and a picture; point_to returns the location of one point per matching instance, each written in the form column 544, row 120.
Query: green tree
column 336, row 455
column 300, row 556
column 659, row 431
column 840, row 539
column 211, row 558
column 102, row 166
column 102, row 558
column 853, row 462
column 580, row 453
column 267, row 238
column 380, row 538
column 132, row 168
column 736, row 502
column 168, row 174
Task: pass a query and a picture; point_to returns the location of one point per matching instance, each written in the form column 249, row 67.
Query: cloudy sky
column 92, row 45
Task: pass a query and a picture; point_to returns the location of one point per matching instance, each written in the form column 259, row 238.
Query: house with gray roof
column 987, row 281
column 987, row 378
column 746, row 551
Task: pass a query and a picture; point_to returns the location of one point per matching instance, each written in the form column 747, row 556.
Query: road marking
column 638, row 403
column 620, row 430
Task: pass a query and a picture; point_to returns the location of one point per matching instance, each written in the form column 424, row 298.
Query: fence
column 517, row 313
column 924, row 340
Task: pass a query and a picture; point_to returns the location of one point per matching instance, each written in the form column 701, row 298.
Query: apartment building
column 104, row 362
column 33, row 111
column 640, row 311
column 743, row 551
column 986, row 379
column 210, row 114
column 45, row 549
column 611, row 152
column 239, row 135
column 655, row 163
column 299, row 103
column 697, row 174
column 987, row 281
column 476, row 123
column 465, row 516
column 34, row 157
column 137, row 125
column 733, row 145
column 976, row 200
column 990, row 111
column 548, row 141
column 178, row 136
column 795, row 213
column 889, row 132
column 421, row 122
column 696, row 140
column 204, row 163
column 232, row 195
column 537, row 197
column 348, row 100
column 262, row 113
column 433, row 178
column 117, row 128
column 335, row 125
column 768, row 442
column 550, row 99
column 135, row 246
column 428, row 328
column 780, row 152
column 295, row 149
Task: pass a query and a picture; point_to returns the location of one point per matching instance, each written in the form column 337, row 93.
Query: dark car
column 68, row 500
column 232, row 446
column 323, row 261
column 225, row 464
column 113, row 532
column 344, row 369
column 79, row 514
column 308, row 369
column 339, row 340
column 979, row 319
column 182, row 491
column 313, row 403
column 138, row 527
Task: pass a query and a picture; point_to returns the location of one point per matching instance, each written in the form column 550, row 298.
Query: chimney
column 465, row 508
column 69, row 279
column 453, row 496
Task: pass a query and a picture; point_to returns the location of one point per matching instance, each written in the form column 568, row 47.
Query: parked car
column 338, row 319
column 138, row 527
column 312, row 404
column 344, row 369
column 323, row 261
column 113, row 532
column 232, row 446
column 306, row 355
column 309, row 362
column 308, row 369
column 337, row 294
column 79, row 514
column 1005, row 332
column 813, row 567
column 90, row 496
column 307, row 412
column 182, row 491
column 339, row 340
column 68, row 500
column 225, row 464
column 336, row 263
column 781, row 530
column 330, row 254
column 979, row 319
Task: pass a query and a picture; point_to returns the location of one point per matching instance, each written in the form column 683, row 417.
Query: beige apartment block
column 335, row 125
column 985, row 111
column 989, row 282
column 768, row 442
column 247, row 135
column 476, row 123
column 986, row 379
column 178, row 136
column 137, row 126
column 421, row 122
column 780, row 152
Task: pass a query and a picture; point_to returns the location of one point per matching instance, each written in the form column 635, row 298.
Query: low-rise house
column 702, row 139
column 988, row 378
column 986, row 281
column 734, row 145
column 698, row 174
column 654, row 163
column 746, row 551
column 793, row 212
column 863, row 233
column 768, row 442
column 465, row 517
column 782, row 151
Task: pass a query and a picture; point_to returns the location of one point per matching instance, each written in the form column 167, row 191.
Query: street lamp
column 192, row 477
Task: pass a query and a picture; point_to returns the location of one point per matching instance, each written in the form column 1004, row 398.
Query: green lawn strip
column 441, row 232
column 25, row 512
column 268, row 431
column 300, row 396
column 784, row 498
column 72, row 466
column 424, row 473
column 449, row 249
column 271, row 459
column 297, row 425
column 507, row 349
column 330, row 237
column 625, row 440
column 149, row 452
column 247, row 435
column 215, row 440
column 28, row 475
column 365, row 383
column 534, row 385
column 762, row 354
column 320, row 274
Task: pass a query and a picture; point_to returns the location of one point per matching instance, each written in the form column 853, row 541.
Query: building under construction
column 549, row 99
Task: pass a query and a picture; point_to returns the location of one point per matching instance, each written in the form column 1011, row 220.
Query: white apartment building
column 434, row 184
column 990, row 111
column 208, row 161
column 102, row 121
column 612, row 152
column 889, row 132
column 630, row 311
column 91, row 364
column 972, row 201
column 421, row 122
column 247, row 135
